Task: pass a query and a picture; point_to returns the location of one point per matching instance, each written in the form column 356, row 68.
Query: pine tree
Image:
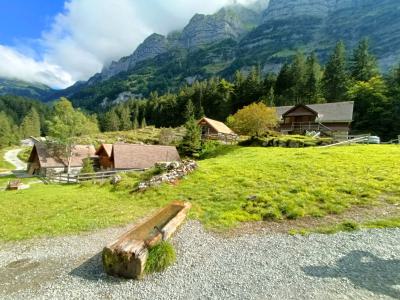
column 335, row 80
column 7, row 134
column 125, row 119
column 30, row 125
column 363, row 64
column 135, row 124
column 298, row 72
column 112, row 122
column 283, row 83
column 191, row 142
column 143, row 124
column 312, row 86
column 189, row 110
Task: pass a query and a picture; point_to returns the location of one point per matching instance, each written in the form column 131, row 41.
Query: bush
column 287, row 141
column 160, row 257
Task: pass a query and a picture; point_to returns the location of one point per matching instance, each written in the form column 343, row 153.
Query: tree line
column 346, row 76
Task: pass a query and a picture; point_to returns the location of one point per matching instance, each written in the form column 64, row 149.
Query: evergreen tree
column 125, row 119
column 189, row 110
column 143, row 124
column 283, row 83
column 336, row 80
column 363, row 64
column 298, row 73
column 312, row 86
column 30, row 125
column 112, row 122
column 7, row 133
column 191, row 142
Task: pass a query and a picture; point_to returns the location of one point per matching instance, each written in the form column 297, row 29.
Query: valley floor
column 360, row 265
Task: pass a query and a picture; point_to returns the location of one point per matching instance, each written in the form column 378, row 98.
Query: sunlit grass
column 242, row 184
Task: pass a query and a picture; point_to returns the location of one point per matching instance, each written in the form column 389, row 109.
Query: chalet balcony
column 301, row 127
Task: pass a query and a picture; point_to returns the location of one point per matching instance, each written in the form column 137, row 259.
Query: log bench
column 126, row 257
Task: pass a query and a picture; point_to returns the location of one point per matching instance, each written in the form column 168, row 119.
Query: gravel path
column 12, row 157
column 361, row 265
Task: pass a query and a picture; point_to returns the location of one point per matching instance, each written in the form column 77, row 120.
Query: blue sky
column 58, row 42
column 26, row 19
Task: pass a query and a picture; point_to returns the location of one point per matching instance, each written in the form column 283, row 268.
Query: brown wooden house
column 134, row 157
column 332, row 119
column 212, row 129
column 104, row 154
column 43, row 160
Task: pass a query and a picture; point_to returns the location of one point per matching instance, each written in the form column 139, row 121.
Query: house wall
column 105, row 161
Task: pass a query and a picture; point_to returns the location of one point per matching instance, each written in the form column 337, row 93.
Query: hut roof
column 327, row 112
column 218, row 126
column 107, row 148
column 130, row 156
column 49, row 158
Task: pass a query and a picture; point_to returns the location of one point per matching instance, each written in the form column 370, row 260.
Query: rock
column 116, row 179
column 173, row 171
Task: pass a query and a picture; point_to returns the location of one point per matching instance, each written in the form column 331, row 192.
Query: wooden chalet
column 330, row 119
column 44, row 161
column 134, row 157
column 212, row 129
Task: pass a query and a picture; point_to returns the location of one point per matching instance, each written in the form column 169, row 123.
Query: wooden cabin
column 135, row 157
column 331, row 119
column 104, row 154
column 216, row 130
column 44, row 160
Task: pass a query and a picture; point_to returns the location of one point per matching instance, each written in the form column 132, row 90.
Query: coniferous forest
column 348, row 75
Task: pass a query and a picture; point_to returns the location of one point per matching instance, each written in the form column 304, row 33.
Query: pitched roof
column 107, row 148
column 218, row 126
column 130, row 156
column 327, row 112
column 49, row 158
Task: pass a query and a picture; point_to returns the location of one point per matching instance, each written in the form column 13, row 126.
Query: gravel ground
column 361, row 265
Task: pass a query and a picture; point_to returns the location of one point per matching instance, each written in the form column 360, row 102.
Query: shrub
column 160, row 257
column 87, row 166
column 167, row 136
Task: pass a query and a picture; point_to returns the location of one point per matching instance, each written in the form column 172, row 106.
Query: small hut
column 44, row 160
column 104, row 153
column 216, row 130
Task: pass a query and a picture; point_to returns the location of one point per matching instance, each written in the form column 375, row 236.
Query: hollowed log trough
column 126, row 257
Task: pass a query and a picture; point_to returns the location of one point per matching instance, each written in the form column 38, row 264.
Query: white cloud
column 92, row 33
column 15, row 65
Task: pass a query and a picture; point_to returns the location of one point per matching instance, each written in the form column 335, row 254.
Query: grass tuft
column 160, row 257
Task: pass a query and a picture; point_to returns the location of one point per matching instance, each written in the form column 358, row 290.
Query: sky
column 59, row 42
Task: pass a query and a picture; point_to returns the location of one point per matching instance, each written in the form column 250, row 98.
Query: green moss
column 160, row 257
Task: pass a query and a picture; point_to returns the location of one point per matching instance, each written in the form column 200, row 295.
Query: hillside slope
column 237, row 37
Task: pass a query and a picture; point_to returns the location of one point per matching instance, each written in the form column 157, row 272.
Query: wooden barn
column 331, row 119
column 135, row 157
column 44, row 161
column 212, row 129
column 104, row 155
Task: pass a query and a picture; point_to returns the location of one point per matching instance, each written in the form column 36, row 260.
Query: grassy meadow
column 240, row 184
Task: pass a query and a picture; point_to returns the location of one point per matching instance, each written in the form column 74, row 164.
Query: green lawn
column 287, row 183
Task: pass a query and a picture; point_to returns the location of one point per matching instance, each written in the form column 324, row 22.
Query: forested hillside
column 304, row 80
column 238, row 38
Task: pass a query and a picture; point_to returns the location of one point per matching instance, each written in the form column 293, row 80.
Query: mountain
column 24, row 89
column 267, row 34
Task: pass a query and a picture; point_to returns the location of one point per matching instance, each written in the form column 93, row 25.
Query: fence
column 71, row 178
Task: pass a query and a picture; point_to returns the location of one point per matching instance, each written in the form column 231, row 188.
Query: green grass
column 25, row 153
column 287, row 183
column 160, row 257
column 148, row 135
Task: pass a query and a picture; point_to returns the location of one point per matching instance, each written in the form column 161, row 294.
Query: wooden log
column 126, row 257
